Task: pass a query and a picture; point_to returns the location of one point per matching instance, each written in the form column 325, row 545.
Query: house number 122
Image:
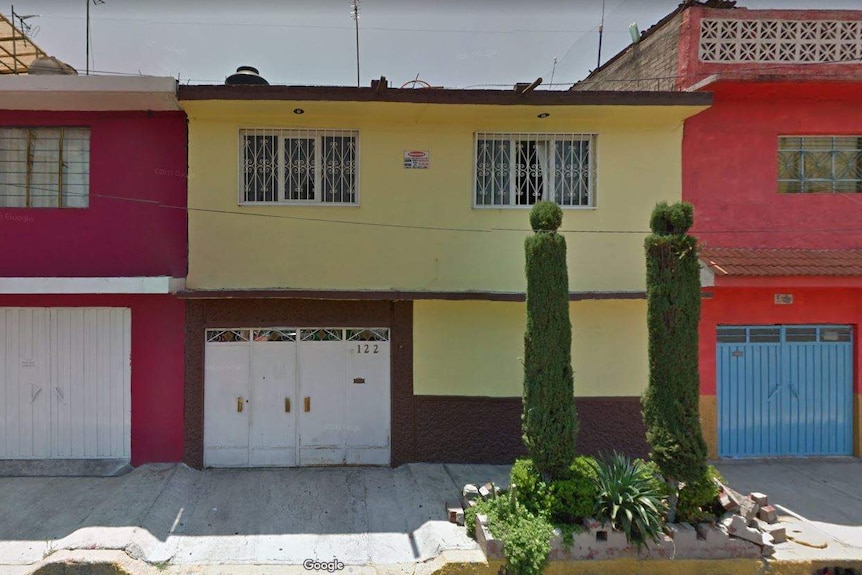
column 367, row 348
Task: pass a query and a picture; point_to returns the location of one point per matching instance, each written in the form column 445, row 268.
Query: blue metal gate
column 784, row 390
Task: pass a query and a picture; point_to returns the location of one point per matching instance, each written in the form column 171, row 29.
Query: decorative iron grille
column 227, row 335
column 780, row 41
column 819, row 164
column 274, row 334
column 519, row 169
column 299, row 166
column 44, row 167
column 367, row 335
column 321, row 334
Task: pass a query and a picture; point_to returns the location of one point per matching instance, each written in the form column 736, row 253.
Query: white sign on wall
column 416, row 159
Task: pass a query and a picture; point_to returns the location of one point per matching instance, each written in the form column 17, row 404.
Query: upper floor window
column 820, row 164
column 299, row 166
column 521, row 169
column 44, row 167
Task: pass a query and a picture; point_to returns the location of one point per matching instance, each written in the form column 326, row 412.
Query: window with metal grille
column 819, row 164
column 299, row 166
column 521, row 169
column 44, row 167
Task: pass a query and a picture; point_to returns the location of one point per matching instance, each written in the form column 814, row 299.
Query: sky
column 451, row 43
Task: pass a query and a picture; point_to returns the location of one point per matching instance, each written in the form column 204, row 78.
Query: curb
column 99, row 562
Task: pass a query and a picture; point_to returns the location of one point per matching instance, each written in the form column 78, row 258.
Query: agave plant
column 629, row 500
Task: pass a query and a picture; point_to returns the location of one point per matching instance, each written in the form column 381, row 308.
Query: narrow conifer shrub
column 549, row 419
column 670, row 404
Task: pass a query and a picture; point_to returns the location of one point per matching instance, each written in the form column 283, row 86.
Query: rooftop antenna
column 601, row 31
column 87, row 2
column 354, row 13
column 25, row 29
column 553, row 71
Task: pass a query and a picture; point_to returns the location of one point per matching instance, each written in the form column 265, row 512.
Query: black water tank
column 246, row 75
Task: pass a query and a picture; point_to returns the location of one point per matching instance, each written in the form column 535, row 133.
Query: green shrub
column 549, row 418
column 573, row 498
column 546, row 217
column 670, row 403
column 628, row 499
column 531, row 490
column 526, row 536
column 698, row 500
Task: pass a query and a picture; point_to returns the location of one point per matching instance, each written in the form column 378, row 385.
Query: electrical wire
column 160, row 204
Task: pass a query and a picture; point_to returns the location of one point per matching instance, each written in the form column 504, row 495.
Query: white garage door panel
column 66, row 386
column 322, row 377
column 25, row 376
column 367, row 419
column 226, row 429
column 273, row 431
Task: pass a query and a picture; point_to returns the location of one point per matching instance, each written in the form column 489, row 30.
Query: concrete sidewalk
column 171, row 514
column 820, row 499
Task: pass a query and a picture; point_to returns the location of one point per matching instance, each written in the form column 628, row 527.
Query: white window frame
column 298, row 133
column 548, row 183
column 65, row 199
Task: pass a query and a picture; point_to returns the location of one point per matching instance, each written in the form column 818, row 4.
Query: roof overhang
column 769, row 267
column 88, row 93
column 443, row 96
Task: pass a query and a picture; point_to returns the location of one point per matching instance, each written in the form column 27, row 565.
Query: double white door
column 286, row 397
column 65, row 383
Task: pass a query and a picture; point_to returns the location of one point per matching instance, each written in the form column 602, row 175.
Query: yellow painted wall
column 475, row 348
column 231, row 247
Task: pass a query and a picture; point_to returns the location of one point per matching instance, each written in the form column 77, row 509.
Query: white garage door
column 287, row 396
column 65, row 383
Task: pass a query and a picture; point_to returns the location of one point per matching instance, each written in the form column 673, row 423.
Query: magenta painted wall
column 756, row 306
column 730, row 166
column 136, row 222
column 158, row 344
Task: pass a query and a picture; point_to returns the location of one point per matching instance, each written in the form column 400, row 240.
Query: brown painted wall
column 650, row 64
column 398, row 316
column 488, row 430
column 424, row 428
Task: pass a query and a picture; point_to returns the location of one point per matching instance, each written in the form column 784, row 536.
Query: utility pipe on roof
column 532, row 86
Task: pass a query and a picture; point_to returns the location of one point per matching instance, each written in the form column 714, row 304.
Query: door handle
column 307, row 404
column 239, row 403
column 287, row 405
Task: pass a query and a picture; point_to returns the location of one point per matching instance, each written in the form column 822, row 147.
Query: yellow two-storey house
column 355, row 292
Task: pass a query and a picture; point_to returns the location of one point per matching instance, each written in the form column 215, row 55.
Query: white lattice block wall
column 780, row 41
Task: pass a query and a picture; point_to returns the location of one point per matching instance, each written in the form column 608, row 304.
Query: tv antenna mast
column 601, row 31
column 354, row 13
column 87, row 2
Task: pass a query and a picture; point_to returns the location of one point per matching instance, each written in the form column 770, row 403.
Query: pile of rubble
column 748, row 529
column 469, row 497
column 751, row 518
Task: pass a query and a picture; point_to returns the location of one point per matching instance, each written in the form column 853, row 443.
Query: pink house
column 93, row 229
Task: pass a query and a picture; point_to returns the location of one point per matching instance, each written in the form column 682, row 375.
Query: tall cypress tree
column 670, row 404
column 549, row 418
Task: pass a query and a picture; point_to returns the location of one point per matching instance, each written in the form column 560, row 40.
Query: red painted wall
column 158, row 344
column 730, row 166
column 133, row 226
column 755, row 306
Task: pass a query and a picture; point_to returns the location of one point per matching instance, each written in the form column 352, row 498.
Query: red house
column 93, row 229
column 774, row 170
